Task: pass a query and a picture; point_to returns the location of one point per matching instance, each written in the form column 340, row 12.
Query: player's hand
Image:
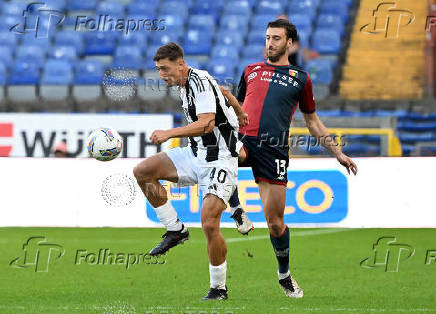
column 159, row 136
column 243, row 119
column 346, row 161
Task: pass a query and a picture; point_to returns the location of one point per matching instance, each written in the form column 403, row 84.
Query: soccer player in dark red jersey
column 270, row 93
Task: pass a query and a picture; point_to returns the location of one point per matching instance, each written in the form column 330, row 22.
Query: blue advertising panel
column 314, row 196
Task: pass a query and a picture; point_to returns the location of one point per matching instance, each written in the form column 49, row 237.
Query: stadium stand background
column 360, row 81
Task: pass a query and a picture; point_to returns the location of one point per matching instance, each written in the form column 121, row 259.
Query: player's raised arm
column 242, row 116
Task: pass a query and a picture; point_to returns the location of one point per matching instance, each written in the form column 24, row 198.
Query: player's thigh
column 273, row 198
column 158, row 166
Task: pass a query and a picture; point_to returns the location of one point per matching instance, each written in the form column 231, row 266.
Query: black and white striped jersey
column 201, row 94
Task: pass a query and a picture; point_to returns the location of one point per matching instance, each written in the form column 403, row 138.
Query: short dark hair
column 172, row 51
column 290, row 29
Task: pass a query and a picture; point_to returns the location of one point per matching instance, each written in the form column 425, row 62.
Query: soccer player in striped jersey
column 211, row 161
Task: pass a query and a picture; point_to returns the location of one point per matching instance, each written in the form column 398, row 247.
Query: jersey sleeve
column 307, row 101
column 204, row 96
column 242, row 88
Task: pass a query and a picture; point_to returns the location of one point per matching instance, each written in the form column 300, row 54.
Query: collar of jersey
column 277, row 66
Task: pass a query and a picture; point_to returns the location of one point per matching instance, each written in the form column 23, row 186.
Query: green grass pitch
column 325, row 262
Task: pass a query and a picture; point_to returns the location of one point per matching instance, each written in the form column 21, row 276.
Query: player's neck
column 185, row 73
column 283, row 61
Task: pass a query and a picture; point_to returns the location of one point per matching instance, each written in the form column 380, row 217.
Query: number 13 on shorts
column 281, row 166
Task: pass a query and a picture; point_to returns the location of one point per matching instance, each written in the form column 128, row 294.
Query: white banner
column 36, row 135
column 387, row 192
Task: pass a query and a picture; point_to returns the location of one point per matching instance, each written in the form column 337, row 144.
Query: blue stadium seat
column 151, row 51
column 58, row 5
column 207, row 7
column 330, row 21
column 99, row 43
column 173, row 22
column 228, row 52
column 34, row 54
column 243, row 63
column 234, row 23
column 256, row 37
column 305, row 7
column 326, row 41
column 409, row 137
column 222, row 70
column 63, row 52
column 13, row 8
column 134, row 38
column 164, row 37
column 6, row 55
column 7, row 21
column 335, row 7
column 253, row 51
column 57, row 72
column 320, row 71
column 24, row 72
column 146, row 9
column 112, row 8
column 238, row 7
column 3, row 74
column 269, row 7
column 128, row 57
column 192, row 62
column 88, row 5
column 8, row 39
column 177, row 8
column 302, row 22
column 69, row 37
column 89, row 72
column 417, row 126
column 197, row 42
column 205, row 22
column 260, row 21
column 230, row 39
column 29, row 39
column 304, row 38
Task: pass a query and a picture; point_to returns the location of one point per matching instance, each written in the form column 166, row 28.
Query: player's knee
column 144, row 172
column 275, row 228
column 210, row 227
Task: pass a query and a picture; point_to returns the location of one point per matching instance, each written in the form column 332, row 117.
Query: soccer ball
column 104, row 144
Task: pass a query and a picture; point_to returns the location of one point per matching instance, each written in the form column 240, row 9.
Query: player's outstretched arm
column 318, row 130
column 242, row 116
column 204, row 124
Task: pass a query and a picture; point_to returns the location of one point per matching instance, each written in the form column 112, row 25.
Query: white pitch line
column 303, row 233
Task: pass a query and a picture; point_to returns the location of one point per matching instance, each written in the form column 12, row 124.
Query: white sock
column 168, row 217
column 232, row 209
column 283, row 276
column 218, row 275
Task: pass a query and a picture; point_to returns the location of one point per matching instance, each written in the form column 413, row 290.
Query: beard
column 275, row 56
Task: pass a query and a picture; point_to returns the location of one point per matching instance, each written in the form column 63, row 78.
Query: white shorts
column 218, row 177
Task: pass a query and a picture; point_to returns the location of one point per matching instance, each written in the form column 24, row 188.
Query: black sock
column 281, row 249
column 234, row 199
